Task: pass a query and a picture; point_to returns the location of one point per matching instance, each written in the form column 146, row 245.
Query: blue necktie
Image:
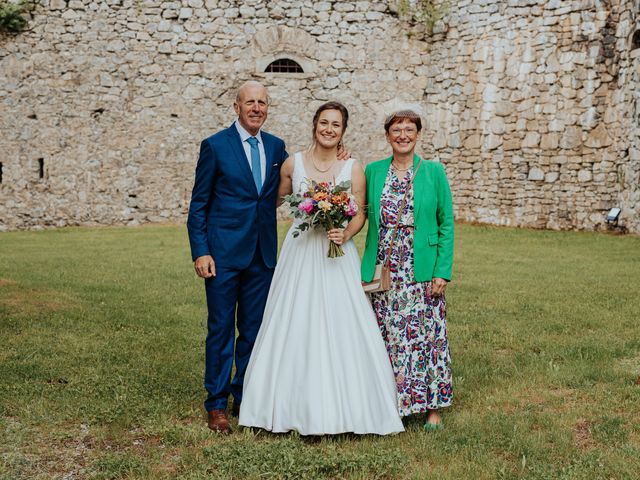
column 255, row 162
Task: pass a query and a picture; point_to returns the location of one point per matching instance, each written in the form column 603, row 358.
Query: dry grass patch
column 48, row 454
column 582, row 435
column 18, row 300
column 632, row 365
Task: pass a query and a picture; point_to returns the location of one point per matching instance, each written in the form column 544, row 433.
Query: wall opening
column 41, row 167
column 284, row 65
column 0, row 172
column 635, row 40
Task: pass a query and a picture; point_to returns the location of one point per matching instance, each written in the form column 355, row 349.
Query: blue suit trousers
column 234, row 298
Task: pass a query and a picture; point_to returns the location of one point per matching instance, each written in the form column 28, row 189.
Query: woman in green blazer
column 411, row 314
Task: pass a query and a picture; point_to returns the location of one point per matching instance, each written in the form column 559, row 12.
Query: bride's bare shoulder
column 356, row 166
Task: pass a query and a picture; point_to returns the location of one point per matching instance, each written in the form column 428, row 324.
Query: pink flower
column 352, row 208
column 306, row 205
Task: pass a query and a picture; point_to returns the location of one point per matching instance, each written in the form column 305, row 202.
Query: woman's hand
column 438, row 286
column 337, row 236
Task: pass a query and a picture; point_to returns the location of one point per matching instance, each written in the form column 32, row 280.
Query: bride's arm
column 285, row 187
column 358, row 189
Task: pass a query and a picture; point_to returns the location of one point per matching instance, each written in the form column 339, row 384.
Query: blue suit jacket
column 228, row 218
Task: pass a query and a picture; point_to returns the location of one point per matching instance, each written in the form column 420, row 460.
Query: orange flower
column 320, row 196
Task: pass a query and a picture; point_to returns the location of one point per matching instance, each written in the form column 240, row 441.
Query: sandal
column 432, row 427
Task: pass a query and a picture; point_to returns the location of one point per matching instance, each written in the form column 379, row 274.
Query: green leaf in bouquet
column 342, row 187
column 292, row 199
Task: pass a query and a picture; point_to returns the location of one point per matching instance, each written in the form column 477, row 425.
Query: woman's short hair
column 331, row 106
column 401, row 115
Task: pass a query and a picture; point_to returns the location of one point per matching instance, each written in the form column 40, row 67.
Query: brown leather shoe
column 235, row 409
column 218, row 421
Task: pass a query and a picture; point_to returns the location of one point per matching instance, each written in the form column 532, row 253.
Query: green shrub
column 426, row 12
column 13, row 15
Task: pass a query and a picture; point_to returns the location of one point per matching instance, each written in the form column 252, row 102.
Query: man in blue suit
column 233, row 237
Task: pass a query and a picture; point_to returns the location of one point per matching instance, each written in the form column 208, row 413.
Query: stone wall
column 532, row 108
column 532, row 105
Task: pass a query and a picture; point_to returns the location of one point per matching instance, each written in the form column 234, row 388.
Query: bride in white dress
column 319, row 365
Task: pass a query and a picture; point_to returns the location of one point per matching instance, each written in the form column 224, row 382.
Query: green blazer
column 433, row 219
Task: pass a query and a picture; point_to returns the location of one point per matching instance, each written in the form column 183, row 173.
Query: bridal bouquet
column 324, row 205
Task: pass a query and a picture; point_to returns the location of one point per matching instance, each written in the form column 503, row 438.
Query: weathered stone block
column 556, row 125
column 571, row 138
column 551, row 177
column 512, row 144
column 472, row 142
column 454, row 141
column 492, row 142
column 491, row 93
column 531, row 140
column 598, row 138
column 232, row 13
column 496, row 125
column 115, row 46
column 247, row 11
column 584, row 175
column 185, row 13
column 549, row 141
column 106, row 80
column 536, row 174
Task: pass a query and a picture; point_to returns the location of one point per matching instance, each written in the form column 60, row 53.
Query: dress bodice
column 300, row 180
column 391, row 200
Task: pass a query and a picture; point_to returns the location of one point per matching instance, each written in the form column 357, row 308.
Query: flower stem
column 335, row 250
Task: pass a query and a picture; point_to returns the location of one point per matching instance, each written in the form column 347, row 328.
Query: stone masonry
column 533, row 106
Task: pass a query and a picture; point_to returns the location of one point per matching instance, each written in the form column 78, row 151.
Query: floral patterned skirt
column 414, row 328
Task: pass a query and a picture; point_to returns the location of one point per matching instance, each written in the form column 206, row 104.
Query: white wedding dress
column 319, row 364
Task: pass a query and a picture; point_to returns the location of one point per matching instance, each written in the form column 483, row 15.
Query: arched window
column 284, row 65
column 635, row 40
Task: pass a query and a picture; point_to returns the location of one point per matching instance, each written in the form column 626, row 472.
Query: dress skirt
column 319, row 364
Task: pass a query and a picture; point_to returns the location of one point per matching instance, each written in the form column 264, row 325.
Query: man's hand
column 205, row 266
column 437, row 286
column 343, row 153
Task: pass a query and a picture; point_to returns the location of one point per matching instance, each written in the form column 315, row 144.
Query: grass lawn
column 101, row 360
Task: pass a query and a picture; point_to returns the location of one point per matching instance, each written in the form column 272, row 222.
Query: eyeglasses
column 408, row 131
